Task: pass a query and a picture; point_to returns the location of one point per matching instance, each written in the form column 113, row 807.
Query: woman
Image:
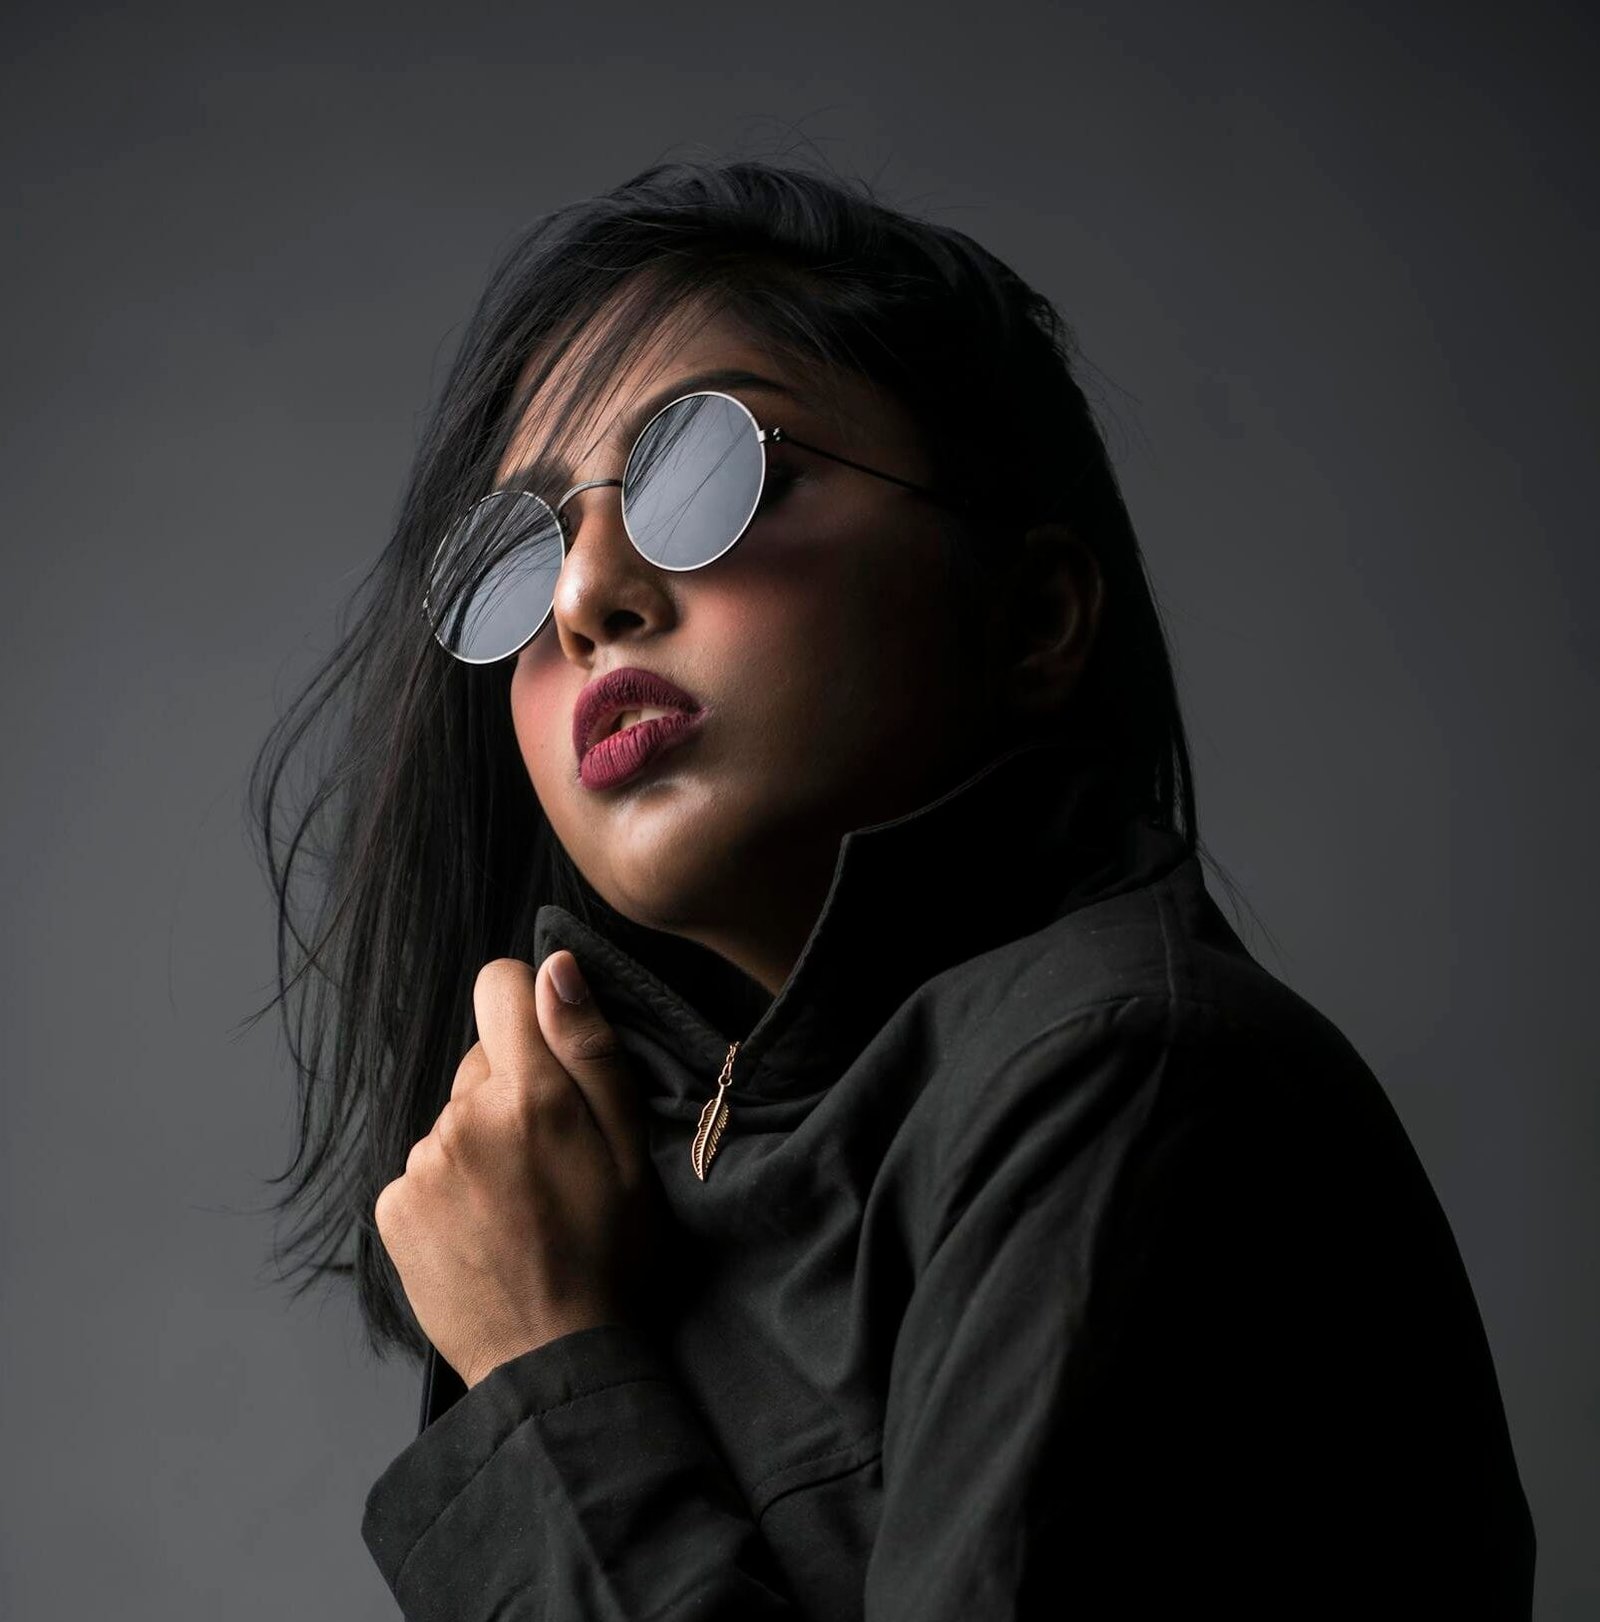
column 773, row 1049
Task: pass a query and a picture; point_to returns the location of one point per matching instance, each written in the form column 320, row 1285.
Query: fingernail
column 564, row 971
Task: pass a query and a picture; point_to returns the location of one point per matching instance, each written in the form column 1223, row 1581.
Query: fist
column 528, row 1212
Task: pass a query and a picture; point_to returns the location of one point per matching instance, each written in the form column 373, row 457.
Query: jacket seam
column 1145, row 1108
column 521, row 1425
column 1166, row 1005
column 874, row 1435
column 1163, row 905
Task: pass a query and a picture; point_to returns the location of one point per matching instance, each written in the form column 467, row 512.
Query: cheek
column 799, row 585
column 865, row 608
column 891, row 600
column 761, row 615
column 537, row 715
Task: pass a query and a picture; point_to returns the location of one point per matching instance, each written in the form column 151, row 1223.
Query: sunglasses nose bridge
column 481, row 631
column 597, row 570
column 578, row 489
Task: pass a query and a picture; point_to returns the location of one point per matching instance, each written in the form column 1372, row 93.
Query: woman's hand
column 525, row 1213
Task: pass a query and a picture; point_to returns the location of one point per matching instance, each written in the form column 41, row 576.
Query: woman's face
column 839, row 662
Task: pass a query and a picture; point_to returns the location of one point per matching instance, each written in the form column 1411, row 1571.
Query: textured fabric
column 1056, row 1260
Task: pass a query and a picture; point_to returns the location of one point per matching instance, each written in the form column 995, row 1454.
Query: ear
column 1052, row 598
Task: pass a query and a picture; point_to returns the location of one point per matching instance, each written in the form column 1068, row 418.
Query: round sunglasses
column 691, row 485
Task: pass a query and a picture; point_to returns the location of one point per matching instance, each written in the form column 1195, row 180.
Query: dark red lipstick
column 609, row 754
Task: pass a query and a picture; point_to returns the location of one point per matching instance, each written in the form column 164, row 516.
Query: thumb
column 584, row 1042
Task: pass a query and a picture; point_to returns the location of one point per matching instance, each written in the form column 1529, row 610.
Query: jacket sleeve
column 1189, row 1332
column 576, row 1483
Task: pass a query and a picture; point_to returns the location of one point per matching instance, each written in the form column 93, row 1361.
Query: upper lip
column 630, row 688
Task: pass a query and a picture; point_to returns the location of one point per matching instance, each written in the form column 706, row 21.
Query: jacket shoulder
column 1141, row 1005
column 1158, row 955
column 1180, row 1167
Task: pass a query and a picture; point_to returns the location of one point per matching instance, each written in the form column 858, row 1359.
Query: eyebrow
column 550, row 471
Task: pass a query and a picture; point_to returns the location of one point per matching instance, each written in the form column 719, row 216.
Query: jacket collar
column 1030, row 835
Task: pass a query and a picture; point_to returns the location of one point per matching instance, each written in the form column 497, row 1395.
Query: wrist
column 485, row 1362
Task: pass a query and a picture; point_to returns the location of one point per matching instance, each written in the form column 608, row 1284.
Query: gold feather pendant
column 713, row 1119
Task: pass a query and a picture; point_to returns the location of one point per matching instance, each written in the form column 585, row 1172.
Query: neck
column 765, row 928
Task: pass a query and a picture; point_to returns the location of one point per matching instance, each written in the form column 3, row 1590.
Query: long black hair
column 424, row 847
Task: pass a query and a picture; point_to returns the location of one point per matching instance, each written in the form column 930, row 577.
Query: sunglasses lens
column 692, row 481
column 494, row 576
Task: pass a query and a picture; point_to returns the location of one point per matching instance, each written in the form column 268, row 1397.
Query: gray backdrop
column 1336, row 271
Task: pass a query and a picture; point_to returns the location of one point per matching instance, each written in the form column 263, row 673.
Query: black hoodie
column 1053, row 1259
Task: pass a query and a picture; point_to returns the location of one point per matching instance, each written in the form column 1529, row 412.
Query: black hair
column 425, row 847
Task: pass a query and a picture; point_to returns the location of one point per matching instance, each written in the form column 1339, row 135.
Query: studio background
column 1333, row 267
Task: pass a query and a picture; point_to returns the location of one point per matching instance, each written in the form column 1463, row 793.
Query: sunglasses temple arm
column 779, row 437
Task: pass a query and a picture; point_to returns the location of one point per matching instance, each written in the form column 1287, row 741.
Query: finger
column 585, row 1044
column 503, row 999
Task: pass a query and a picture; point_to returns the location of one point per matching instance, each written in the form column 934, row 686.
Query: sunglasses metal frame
column 775, row 435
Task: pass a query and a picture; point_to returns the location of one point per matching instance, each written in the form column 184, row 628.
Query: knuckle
column 386, row 1208
column 474, row 1068
column 597, row 1044
column 486, row 1114
column 536, row 1110
column 526, row 1108
column 422, row 1152
column 453, row 1128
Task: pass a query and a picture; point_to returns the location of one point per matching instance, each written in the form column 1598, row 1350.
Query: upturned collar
column 1028, row 836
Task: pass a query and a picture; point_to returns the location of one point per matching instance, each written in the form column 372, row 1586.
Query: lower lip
column 623, row 755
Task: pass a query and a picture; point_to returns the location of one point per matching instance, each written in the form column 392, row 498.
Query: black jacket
column 1054, row 1260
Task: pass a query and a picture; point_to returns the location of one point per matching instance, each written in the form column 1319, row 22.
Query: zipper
column 713, row 1118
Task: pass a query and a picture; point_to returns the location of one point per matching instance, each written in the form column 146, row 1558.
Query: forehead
column 579, row 412
column 574, row 411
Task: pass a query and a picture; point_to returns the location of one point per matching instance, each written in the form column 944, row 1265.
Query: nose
column 605, row 589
